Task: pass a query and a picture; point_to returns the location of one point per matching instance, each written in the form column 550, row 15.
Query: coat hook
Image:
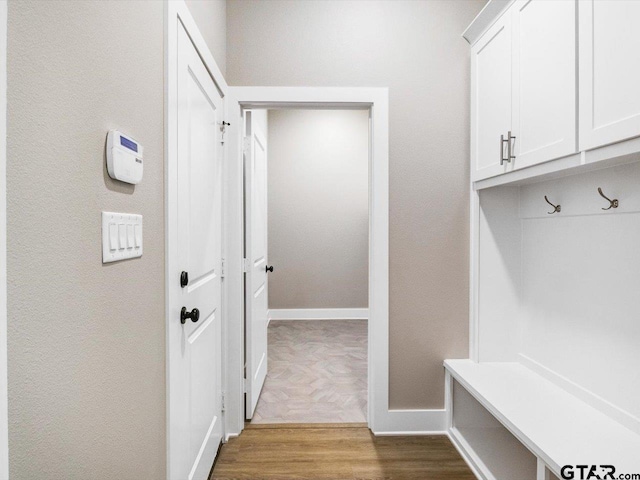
column 613, row 203
column 556, row 208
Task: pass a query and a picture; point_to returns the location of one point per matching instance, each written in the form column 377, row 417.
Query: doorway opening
column 380, row 419
column 307, row 269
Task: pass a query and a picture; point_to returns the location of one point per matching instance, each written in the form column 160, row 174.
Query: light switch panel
column 121, row 236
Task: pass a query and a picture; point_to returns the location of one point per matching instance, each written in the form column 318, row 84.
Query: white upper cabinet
column 609, row 71
column 544, row 80
column 523, row 88
column 491, row 99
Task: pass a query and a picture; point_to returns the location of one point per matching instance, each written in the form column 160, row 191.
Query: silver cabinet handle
column 510, row 137
column 502, row 159
column 509, row 155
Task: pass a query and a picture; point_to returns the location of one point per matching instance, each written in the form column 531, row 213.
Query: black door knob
column 269, row 268
column 184, row 279
column 194, row 315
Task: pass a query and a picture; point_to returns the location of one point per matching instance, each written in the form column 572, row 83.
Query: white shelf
column 495, row 453
column 557, row 427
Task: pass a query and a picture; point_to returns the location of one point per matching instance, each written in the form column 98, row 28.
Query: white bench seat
column 554, row 425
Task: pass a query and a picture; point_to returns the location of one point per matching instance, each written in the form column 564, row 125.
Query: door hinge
column 245, row 265
column 224, row 405
column 222, row 268
column 244, row 385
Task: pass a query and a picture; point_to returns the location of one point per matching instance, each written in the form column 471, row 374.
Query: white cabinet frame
column 596, row 146
column 523, row 88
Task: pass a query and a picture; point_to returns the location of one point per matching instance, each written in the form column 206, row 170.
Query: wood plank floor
column 336, row 452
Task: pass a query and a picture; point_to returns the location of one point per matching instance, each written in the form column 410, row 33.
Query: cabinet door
column 609, row 71
column 490, row 99
column 544, row 80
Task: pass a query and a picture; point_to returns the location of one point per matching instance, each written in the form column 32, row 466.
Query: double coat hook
column 556, row 208
column 612, row 203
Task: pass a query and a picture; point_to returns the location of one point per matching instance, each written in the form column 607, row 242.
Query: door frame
column 4, row 417
column 380, row 419
column 177, row 12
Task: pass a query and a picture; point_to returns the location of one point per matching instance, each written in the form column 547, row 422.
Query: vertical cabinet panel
column 544, row 80
column 490, row 99
column 609, row 71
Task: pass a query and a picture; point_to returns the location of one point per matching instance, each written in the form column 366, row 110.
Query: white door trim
column 176, row 11
column 381, row 419
column 4, row 419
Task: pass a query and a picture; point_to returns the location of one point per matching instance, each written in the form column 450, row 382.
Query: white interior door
column 195, row 338
column 256, row 288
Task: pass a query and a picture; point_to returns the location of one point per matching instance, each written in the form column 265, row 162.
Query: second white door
column 256, row 282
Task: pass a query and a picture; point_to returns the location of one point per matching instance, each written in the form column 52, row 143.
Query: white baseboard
column 412, row 422
column 318, row 314
column 229, row 436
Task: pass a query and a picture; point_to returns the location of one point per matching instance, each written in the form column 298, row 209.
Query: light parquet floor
column 317, row 372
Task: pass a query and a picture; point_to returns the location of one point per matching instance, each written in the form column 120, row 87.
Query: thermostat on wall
column 124, row 158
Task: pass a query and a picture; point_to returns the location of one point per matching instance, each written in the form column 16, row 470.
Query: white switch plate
column 121, row 236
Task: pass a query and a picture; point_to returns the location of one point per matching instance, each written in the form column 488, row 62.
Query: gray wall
column 318, row 208
column 86, row 341
column 415, row 49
